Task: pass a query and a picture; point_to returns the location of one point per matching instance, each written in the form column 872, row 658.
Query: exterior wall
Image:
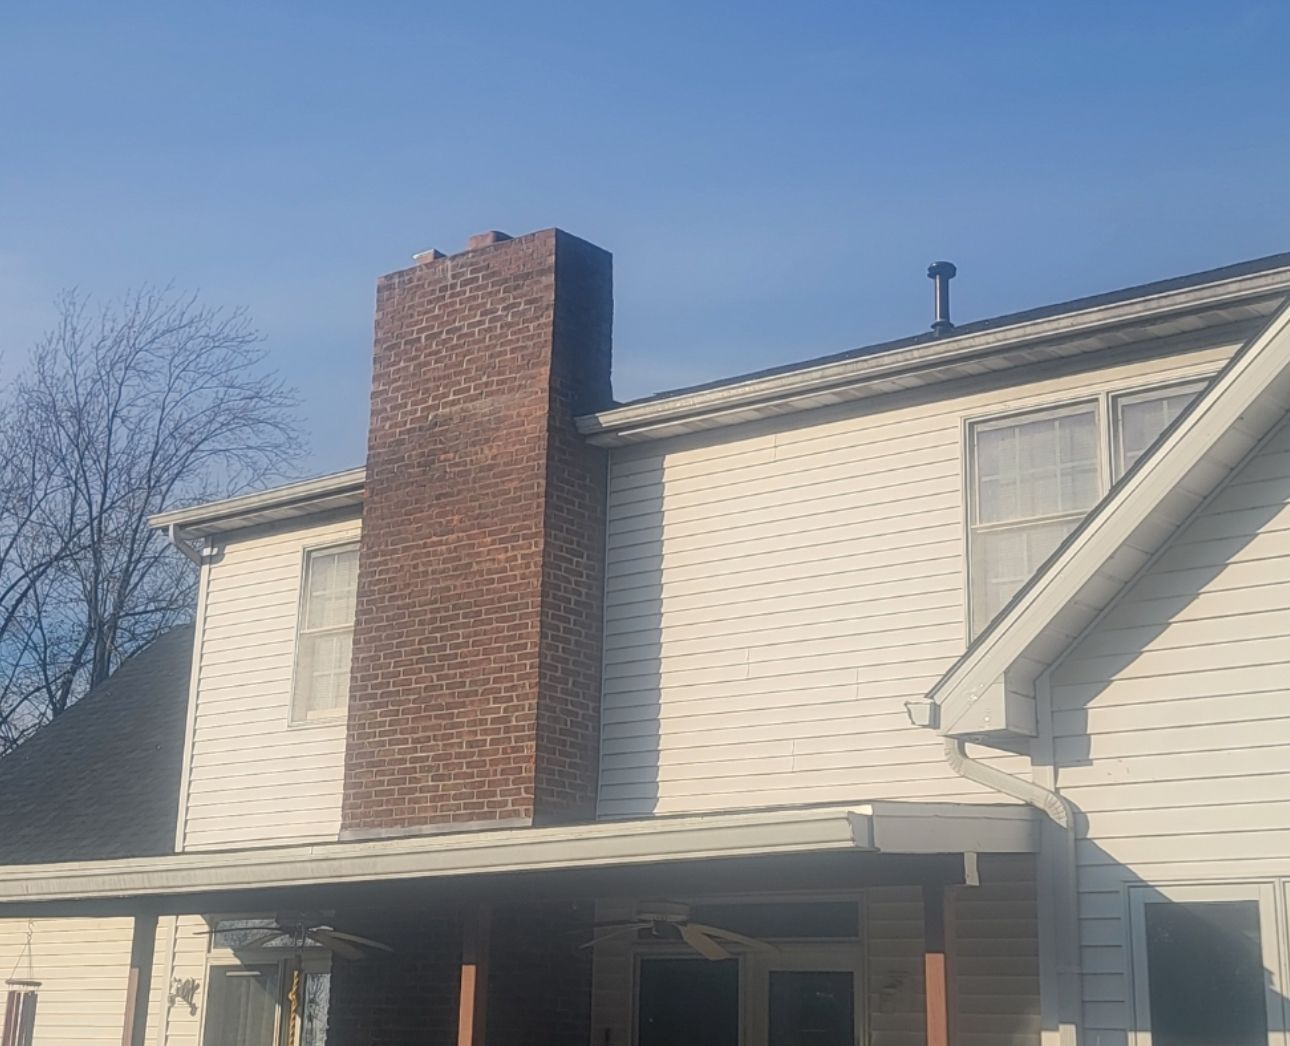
column 476, row 644
column 83, row 965
column 251, row 777
column 776, row 595
column 1171, row 726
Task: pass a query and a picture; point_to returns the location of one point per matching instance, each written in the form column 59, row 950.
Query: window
column 1205, row 965
column 325, row 634
column 1033, row 477
column 1141, row 417
column 687, row 1002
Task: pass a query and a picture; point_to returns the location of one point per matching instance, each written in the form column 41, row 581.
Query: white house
column 927, row 693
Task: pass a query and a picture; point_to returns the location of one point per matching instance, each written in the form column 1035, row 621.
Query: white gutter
column 603, row 844
column 781, row 389
column 290, row 497
column 876, row 827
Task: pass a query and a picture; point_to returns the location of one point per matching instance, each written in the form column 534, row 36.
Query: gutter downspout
column 1066, row 921
column 190, row 553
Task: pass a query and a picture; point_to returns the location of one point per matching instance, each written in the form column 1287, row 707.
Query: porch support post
column 139, row 987
column 936, row 990
column 476, row 927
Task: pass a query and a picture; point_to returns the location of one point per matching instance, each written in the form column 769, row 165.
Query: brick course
column 474, row 695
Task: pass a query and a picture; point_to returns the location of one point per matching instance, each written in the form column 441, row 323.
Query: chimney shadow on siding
column 632, row 687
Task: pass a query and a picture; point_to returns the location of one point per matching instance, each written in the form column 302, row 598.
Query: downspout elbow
column 1052, row 804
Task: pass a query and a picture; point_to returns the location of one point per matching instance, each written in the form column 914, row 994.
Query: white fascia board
column 600, row 845
column 310, row 495
column 727, row 404
column 1230, row 406
column 889, row 827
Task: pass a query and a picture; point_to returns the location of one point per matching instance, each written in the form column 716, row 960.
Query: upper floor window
column 325, row 633
column 1035, row 475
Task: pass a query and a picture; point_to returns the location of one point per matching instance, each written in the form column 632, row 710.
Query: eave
column 988, row 694
column 887, row 827
column 1072, row 332
column 309, row 497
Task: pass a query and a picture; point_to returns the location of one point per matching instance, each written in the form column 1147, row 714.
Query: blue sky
column 772, row 178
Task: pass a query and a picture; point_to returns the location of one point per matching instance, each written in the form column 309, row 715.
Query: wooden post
column 139, row 987
column 474, row 977
column 936, row 988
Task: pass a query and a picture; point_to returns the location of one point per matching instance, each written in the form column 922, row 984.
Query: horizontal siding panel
column 253, row 778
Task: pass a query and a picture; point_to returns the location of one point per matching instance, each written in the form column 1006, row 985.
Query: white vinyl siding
column 83, row 966
column 254, row 778
column 775, row 594
column 1172, row 724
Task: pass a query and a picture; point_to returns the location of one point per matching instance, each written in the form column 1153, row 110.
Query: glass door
column 807, row 997
column 242, row 1005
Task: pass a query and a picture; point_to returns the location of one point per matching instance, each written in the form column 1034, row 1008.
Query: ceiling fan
column 666, row 919
column 300, row 932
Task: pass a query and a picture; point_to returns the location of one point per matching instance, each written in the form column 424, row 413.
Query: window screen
column 1141, row 418
column 1034, row 478
column 326, row 632
column 1205, row 976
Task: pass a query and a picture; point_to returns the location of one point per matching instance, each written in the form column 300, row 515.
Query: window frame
column 1264, row 894
column 1142, row 394
column 1036, row 412
column 296, row 715
column 1106, row 401
column 313, row 959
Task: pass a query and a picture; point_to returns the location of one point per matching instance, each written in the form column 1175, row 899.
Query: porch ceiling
column 175, row 882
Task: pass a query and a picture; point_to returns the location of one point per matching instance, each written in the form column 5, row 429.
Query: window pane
column 812, row 1008
column 332, row 585
column 1004, row 560
column 313, row 1015
column 323, row 670
column 688, row 1002
column 1141, row 419
column 1042, row 467
column 241, row 1006
column 1205, row 974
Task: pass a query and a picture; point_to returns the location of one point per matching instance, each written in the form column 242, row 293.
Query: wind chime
column 20, row 998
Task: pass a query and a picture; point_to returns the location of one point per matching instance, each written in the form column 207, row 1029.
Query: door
column 806, row 996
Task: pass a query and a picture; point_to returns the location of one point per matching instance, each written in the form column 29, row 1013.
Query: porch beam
column 143, row 944
column 476, row 929
column 936, row 985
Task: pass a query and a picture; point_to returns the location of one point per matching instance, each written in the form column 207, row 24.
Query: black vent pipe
column 940, row 273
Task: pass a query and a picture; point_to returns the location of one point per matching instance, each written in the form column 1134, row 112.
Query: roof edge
column 719, row 404
column 306, row 497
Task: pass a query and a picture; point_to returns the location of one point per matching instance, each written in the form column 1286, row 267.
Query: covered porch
column 882, row 923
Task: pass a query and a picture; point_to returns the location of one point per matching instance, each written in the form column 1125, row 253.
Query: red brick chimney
column 477, row 642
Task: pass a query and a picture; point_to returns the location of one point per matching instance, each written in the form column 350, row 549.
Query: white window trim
column 329, row 717
column 1148, row 392
column 1052, row 405
column 1270, row 920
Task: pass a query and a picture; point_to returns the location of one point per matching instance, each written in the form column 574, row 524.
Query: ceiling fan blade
column 735, row 938
column 342, row 948
column 620, row 931
column 694, row 935
column 353, row 937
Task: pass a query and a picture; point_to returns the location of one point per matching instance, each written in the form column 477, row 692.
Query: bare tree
column 148, row 404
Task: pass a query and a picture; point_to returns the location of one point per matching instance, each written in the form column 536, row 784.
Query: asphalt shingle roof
column 102, row 780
